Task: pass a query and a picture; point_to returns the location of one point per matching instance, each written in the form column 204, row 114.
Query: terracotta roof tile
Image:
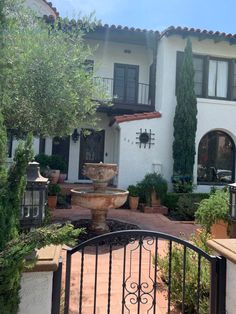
column 51, row 6
column 172, row 30
column 136, row 116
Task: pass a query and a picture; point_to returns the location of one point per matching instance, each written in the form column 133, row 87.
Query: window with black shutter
column 198, row 65
column 214, row 77
column 126, row 83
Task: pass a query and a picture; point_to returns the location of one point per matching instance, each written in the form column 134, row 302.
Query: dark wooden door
column 61, row 147
column 126, row 83
column 91, row 149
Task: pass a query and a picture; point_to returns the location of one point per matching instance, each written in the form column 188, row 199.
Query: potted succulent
column 213, row 214
column 53, row 191
column 133, row 196
column 155, row 188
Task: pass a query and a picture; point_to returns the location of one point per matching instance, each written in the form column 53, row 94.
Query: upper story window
column 198, row 64
column 125, row 87
column 214, row 77
column 218, row 78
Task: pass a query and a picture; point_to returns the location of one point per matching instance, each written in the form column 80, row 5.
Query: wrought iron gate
column 141, row 272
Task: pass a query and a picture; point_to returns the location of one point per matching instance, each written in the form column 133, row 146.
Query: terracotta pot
column 133, row 202
column 52, row 201
column 62, row 177
column 54, row 176
column 219, row 230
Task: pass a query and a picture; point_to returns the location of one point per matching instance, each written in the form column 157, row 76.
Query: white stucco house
column 140, row 69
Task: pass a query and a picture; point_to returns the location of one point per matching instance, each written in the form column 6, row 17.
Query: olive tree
column 47, row 88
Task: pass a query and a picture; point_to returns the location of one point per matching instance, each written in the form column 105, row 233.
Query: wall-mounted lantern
column 32, row 209
column 75, row 136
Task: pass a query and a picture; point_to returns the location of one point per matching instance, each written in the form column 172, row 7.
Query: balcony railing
column 108, row 85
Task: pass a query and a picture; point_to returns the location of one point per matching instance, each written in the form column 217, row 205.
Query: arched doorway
column 216, row 158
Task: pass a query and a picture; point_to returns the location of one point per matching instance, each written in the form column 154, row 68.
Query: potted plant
column 155, row 188
column 63, row 171
column 133, row 196
column 53, row 191
column 213, row 214
column 44, row 163
column 56, row 163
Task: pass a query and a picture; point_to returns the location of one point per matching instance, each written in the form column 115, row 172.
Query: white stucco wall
column 106, row 54
column 36, row 293
column 212, row 114
column 135, row 161
column 40, row 7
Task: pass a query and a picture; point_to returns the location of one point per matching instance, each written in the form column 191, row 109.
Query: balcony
column 125, row 100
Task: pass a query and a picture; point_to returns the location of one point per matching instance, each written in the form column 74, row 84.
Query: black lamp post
column 75, row 136
column 232, row 204
column 32, row 209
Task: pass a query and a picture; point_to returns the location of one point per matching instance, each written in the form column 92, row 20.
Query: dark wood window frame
column 231, row 75
column 215, row 182
column 136, row 67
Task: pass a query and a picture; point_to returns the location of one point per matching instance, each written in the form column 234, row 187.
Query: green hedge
column 182, row 206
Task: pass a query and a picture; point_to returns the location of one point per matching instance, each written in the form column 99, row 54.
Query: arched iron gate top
column 140, row 234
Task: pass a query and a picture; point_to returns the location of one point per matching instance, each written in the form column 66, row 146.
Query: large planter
column 154, row 199
column 133, row 202
column 52, row 201
column 62, row 177
column 54, row 176
column 220, row 230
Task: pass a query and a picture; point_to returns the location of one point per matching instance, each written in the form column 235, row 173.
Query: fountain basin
column 100, row 172
column 111, row 198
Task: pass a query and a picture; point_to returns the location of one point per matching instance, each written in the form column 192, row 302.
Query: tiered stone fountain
column 101, row 198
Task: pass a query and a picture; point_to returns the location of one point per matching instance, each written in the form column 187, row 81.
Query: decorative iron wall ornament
column 145, row 138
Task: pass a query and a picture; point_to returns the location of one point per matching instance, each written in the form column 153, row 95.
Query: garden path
column 155, row 222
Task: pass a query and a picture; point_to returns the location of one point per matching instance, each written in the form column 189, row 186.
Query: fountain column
column 101, row 198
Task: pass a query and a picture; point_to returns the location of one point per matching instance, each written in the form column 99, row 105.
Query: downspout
column 153, row 98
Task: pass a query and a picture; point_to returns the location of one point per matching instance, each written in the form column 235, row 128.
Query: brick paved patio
column 155, row 222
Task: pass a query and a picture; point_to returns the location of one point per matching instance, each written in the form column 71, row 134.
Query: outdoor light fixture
column 32, row 209
column 75, row 136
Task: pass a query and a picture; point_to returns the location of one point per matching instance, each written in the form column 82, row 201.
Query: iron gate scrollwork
column 132, row 274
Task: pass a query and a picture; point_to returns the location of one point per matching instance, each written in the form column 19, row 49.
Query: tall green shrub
column 191, row 276
column 213, row 209
column 185, row 120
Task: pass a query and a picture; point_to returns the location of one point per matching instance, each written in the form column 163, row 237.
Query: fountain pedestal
column 99, row 223
column 100, row 199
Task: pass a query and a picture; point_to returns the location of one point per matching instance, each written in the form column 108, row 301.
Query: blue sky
column 156, row 14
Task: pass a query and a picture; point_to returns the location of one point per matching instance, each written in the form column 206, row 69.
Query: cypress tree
column 185, row 120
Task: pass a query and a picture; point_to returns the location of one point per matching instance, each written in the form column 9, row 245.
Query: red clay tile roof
column 185, row 31
column 126, row 28
column 136, row 116
column 53, row 8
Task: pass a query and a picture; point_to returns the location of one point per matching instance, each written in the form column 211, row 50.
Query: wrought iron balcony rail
column 142, row 92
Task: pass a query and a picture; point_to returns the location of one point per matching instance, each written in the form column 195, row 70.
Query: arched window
column 216, row 158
